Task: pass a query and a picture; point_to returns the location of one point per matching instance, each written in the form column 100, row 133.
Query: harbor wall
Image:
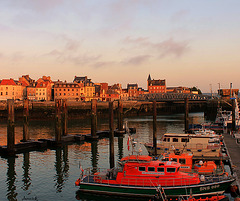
column 81, row 110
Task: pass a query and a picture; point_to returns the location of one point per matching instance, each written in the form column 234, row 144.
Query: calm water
column 51, row 174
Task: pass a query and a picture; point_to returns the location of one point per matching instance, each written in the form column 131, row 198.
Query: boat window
column 166, row 139
column 171, row 169
column 142, row 168
column 160, row 169
column 174, row 159
column 175, row 139
column 185, row 140
column 165, row 159
column 151, row 169
column 182, row 160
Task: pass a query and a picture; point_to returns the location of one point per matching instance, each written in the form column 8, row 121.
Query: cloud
column 137, row 60
column 104, row 64
column 168, row 47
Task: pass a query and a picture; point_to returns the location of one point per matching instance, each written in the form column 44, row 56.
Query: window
column 151, row 169
column 141, row 168
column 166, row 139
column 60, row 89
column 182, row 160
column 68, row 89
column 64, row 94
column 174, row 159
column 184, row 140
column 171, row 169
column 160, row 169
column 1, row 93
column 175, row 139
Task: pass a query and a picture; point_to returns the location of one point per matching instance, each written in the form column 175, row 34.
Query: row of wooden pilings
column 61, row 123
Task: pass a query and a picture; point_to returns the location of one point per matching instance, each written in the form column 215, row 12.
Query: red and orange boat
column 141, row 175
column 187, row 164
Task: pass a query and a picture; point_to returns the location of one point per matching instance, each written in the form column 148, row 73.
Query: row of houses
column 81, row 89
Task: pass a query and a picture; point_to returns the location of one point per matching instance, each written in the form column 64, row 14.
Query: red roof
column 8, row 82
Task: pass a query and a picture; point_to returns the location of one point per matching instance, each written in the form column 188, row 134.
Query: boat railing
column 102, row 176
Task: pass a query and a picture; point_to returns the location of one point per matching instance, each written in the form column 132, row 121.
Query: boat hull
column 170, row 191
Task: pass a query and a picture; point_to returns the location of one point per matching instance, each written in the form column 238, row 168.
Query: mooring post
column 155, row 127
column 25, row 120
column 94, row 118
column 111, row 134
column 58, row 121
column 120, row 115
column 186, row 115
column 64, row 117
column 10, row 127
column 233, row 115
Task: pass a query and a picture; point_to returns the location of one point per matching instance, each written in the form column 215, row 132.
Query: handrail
column 144, row 181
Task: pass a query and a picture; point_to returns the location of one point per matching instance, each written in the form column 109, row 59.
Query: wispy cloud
column 71, row 52
column 137, row 60
column 168, row 47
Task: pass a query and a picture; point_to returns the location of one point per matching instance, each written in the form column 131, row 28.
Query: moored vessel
column 140, row 176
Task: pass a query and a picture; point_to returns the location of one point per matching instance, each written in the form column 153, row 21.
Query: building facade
column 156, row 86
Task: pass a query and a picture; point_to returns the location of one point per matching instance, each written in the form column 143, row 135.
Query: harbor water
column 51, row 174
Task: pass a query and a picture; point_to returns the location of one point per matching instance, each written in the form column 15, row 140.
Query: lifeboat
column 140, row 176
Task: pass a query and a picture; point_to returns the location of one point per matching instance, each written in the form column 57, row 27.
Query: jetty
column 233, row 151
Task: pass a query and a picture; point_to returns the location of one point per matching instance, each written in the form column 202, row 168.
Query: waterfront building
column 11, row 89
column 43, row 91
column 124, row 95
column 180, row 89
column 132, row 90
column 89, row 88
column 156, row 86
column 69, row 91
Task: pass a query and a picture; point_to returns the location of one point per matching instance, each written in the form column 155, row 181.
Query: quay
column 233, row 151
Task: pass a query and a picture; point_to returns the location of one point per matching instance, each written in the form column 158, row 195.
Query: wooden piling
column 155, row 127
column 10, row 127
column 186, row 115
column 120, row 115
column 64, row 117
column 111, row 134
column 58, row 121
column 233, row 115
column 94, row 118
column 25, row 120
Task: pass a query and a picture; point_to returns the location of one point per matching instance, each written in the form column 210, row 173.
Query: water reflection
column 26, row 175
column 120, row 147
column 11, row 178
column 94, row 157
column 62, row 167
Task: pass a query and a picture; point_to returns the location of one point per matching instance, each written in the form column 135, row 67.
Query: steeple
column 149, row 77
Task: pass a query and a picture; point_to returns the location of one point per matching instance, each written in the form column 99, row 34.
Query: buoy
column 77, row 183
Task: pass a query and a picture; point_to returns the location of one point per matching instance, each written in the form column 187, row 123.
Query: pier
column 233, row 151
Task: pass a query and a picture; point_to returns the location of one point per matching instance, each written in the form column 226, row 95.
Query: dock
column 233, row 151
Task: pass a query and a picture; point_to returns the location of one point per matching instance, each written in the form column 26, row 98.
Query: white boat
column 198, row 145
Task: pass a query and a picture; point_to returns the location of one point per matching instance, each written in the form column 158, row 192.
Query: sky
column 186, row 42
